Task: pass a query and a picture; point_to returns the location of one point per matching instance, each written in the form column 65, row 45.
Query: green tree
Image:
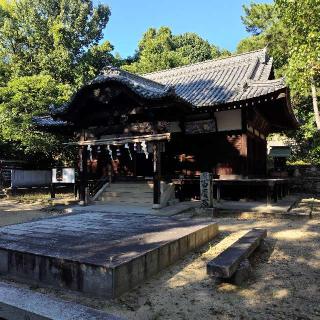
column 267, row 30
column 155, row 52
column 192, row 48
column 290, row 29
column 48, row 49
column 302, row 19
column 21, row 99
column 160, row 49
column 52, row 37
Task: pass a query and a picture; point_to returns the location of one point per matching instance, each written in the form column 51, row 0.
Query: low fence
column 306, row 178
column 30, row 178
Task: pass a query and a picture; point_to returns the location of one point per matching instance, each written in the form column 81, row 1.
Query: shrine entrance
column 125, row 158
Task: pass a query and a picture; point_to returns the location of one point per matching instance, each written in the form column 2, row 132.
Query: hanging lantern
column 128, row 148
column 110, row 152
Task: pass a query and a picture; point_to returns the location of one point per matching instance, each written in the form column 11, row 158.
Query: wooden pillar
column 83, row 175
column 245, row 154
column 156, row 174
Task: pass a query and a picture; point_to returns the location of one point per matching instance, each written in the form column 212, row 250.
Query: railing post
column 156, row 175
column 83, row 177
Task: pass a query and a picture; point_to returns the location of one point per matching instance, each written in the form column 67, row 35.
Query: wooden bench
column 228, row 262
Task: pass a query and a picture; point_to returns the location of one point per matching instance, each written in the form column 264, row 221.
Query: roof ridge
column 267, row 81
column 205, row 61
column 116, row 71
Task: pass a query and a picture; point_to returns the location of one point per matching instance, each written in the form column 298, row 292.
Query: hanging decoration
column 128, row 148
column 98, row 149
column 110, row 152
column 135, row 147
column 118, row 152
column 90, row 152
column 145, row 149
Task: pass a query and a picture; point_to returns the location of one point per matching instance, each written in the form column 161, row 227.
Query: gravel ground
column 284, row 284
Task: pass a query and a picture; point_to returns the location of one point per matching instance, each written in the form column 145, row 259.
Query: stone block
column 225, row 264
column 97, row 253
column 21, row 304
column 174, row 253
column 152, row 262
column 243, row 273
column 3, row 261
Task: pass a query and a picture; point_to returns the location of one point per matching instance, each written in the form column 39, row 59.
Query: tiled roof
column 220, row 81
column 48, row 121
column 142, row 86
column 209, row 83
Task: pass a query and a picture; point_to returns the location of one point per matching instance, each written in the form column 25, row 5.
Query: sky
column 218, row 21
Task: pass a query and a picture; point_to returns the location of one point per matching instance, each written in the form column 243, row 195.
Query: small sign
column 63, row 175
column 200, row 126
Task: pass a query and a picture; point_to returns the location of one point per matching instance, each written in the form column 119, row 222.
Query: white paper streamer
column 110, row 152
column 145, row 149
column 90, row 152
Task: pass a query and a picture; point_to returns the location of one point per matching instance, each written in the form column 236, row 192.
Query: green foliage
column 54, row 37
column 160, row 49
column 48, row 49
column 23, row 98
column 267, row 30
column 251, row 43
column 302, row 20
column 290, row 30
column 258, row 17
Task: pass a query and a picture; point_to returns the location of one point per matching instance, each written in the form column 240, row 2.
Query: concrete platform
column 21, row 304
column 99, row 253
column 136, row 208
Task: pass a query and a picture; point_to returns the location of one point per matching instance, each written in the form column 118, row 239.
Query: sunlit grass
column 42, row 197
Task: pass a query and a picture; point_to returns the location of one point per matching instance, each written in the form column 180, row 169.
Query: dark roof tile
column 140, row 85
column 224, row 80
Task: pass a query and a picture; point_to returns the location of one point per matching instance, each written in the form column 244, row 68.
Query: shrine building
column 169, row 126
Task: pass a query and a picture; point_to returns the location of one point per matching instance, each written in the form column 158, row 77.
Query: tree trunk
column 315, row 104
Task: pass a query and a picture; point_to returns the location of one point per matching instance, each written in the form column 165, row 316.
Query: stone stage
column 98, row 253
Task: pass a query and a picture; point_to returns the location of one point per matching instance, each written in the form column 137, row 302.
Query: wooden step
column 129, row 189
column 123, row 200
column 116, row 193
column 129, row 193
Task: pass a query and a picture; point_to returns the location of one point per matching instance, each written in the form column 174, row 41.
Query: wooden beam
column 122, row 140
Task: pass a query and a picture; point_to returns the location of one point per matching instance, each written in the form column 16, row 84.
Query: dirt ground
column 23, row 209
column 285, row 283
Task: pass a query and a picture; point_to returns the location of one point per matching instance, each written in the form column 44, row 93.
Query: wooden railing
column 95, row 185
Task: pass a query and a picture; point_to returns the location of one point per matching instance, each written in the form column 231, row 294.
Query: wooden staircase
column 133, row 193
